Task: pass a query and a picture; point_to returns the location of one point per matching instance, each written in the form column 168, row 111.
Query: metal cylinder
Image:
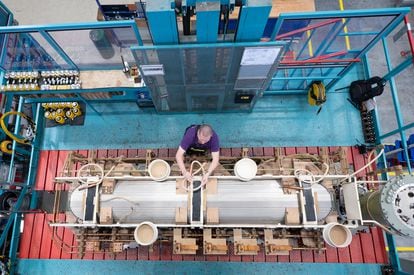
column 392, row 205
column 254, row 202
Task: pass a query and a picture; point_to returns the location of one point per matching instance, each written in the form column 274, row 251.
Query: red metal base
column 36, row 241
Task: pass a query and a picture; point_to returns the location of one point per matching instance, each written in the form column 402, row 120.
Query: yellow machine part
column 316, row 94
column 10, row 134
column 6, row 146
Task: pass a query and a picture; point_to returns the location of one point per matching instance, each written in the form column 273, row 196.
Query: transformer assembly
column 393, row 205
column 276, row 205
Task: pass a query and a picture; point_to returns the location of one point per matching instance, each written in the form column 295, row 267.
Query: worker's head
column 204, row 133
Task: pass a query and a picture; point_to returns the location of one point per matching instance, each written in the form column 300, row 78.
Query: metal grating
column 207, row 77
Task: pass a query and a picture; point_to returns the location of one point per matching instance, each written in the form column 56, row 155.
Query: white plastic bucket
column 159, row 170
column 245, row 169
column 146, row 233
column 337, row 235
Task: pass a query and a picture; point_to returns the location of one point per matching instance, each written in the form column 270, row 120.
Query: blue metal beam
column 357, row 33
column 395, row 100
column 384, row 33
column 209, row 45
column 401, row 67
column 396, row 131
column 252, row 20
column 162, row 22
column 392, row 247
column 208, row 17
column 345, row 13
column 71, row 26
column 29, row 266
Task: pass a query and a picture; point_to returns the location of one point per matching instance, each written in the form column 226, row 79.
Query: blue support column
column 396, row 103
column 162, row 22
column 252, row 20
column 208, row 17
column 14, row 243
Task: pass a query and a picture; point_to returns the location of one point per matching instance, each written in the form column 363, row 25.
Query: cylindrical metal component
column 255, row 202
column 371, row 207
column 392, row 205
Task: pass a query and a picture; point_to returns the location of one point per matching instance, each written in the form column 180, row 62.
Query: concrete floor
column 60, row 11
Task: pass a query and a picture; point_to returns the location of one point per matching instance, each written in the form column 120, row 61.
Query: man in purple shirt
column 199, row 140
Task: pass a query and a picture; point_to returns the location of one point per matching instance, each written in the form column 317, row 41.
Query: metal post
column 396, row 103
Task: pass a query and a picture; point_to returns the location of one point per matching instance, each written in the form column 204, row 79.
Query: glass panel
column 29, row 51
column 4, row 17
column 92, row 48
column 404, row 83
column 321, row 36
column 399, row 49
column 386, row 113
column 302, row 84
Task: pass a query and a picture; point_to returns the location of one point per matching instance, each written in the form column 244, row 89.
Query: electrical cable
column 195, row 173
column 10, row 134
column 364, row 167
column 312, row 181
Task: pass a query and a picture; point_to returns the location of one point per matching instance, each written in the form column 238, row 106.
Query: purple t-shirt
column 190, row 140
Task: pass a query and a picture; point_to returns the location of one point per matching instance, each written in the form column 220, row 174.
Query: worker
column 198, row 140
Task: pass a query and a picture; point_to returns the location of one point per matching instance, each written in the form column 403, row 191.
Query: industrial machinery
column 276, row 204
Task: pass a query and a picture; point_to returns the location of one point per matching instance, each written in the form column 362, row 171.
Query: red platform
column 36, row 242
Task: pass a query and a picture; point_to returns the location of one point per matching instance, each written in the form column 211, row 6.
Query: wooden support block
column 93, row 246
column 211, row 187
column 105, row 215
column 292, row 216
column 278, row 151
column 344, row 160
column 181, row 215
column 213, row 246
column 276, row 246
column 328, row 184
column 108, row 186
column 289, row 182
column 183, row 246
column 287, row 166
column 180, row 186
column 245, row 152
column 212, row 215
column 123, row 169
column 117, row 247
column 244, row 246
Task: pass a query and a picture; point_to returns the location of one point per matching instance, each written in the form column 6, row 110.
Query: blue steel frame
column 44, row 29
column 392, row 72
column 15, row 216
column 399, row 13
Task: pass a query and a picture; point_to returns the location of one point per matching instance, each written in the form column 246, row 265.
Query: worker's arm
column 179, row 157
column 214, row 163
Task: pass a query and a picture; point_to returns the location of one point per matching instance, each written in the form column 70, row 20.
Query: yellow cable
column 403, row 248
column 348, row 44
column 10, row 134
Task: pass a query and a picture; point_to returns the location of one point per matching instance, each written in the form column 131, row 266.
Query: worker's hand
column 188, row 176
column 204, row 179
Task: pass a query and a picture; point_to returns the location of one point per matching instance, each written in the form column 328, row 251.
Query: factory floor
column 52, row 11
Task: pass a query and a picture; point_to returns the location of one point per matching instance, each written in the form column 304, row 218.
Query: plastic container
column 146, row 233
column 245, row 169
column 337, row 235
column 159, row 170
